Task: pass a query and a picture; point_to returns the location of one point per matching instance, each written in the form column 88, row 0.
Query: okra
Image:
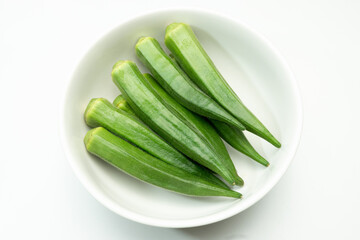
column 182, row 42
column 177, row 84
column 100, row 112
column 141, row 165
column 197, row 122
column 166, row 122
column 237, row 140
column 120, row 103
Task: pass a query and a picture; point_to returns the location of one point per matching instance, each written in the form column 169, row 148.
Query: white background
column 40, row 197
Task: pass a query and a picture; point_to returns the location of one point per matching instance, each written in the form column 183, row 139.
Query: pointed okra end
column 239, row 181
column 276, row 143
column 238, row 195
column 265, row 134
column 233, row 194
column 233, row 179
column 258, row 158
column 271, row 139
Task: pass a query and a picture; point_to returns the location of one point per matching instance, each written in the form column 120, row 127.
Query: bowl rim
column 204, row 220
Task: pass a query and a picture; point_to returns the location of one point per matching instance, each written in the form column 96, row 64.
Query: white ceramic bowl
column 252, row 67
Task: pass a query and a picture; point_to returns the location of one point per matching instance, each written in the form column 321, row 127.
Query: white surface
column 252, row 68
column 40, row 198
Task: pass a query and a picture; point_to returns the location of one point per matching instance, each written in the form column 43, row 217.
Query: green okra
column 198, row 123
column 100, row 112
column 237, row 140
column 177, row 83
column 166, row 122
column 182, row 42
column 141, row 165
column 235, row 137
column 231, row 135
column 121, row 103
column 201, row 123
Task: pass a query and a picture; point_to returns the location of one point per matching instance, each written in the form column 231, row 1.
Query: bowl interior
column 251, row 67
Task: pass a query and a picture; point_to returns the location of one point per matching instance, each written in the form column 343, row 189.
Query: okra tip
column 271, row 139
column 174, row 25
column 89, row 136
column 234, row 194
column 121, row 103
column 143, row 39
column 89, row 110
column 257, row 157
column 276, row 143
column 239, row 181
column 119, row 64
column 118, row 100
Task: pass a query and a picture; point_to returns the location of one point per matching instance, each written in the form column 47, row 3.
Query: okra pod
column 147, row 168
column 237, row 140
column 100, row 112
column 157, row 114
column 177, row 84
column 182, row 42
column 198, row 123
